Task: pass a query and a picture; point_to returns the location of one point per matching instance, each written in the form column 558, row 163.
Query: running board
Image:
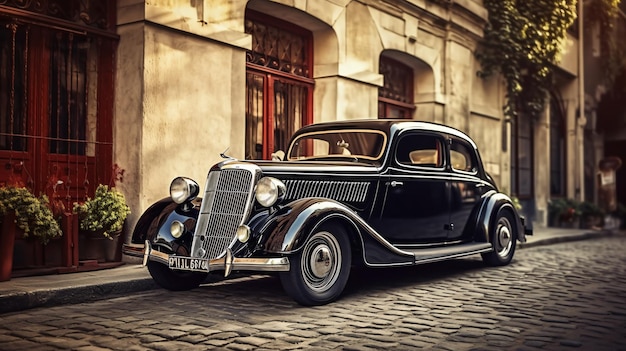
column 444, row 253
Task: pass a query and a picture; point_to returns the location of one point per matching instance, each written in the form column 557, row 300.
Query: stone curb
column 568, row 238
column 72, row 295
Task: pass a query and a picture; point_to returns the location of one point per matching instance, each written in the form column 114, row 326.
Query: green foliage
column 105, row 213
column 589, row 209
column 32, row 214
column 523, row 41
column 564, row 209
column 516, row 203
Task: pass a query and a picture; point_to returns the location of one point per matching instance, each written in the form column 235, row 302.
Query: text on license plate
column 189, row 264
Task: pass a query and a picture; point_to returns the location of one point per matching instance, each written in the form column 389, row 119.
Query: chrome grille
column 342, row 191
column 225, row 206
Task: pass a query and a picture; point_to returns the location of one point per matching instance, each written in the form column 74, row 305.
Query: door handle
column 395, row 184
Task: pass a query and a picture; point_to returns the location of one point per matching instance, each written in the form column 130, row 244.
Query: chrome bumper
column 228, row 263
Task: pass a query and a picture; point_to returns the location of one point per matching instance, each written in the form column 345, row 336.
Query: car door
column 466, row 188
column 415, row 208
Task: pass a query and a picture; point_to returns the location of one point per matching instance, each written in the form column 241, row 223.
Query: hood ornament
column 223, row 154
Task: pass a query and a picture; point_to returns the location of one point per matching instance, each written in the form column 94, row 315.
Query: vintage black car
column 378, row 193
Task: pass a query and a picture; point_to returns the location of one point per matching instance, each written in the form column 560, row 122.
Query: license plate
column 189, row 264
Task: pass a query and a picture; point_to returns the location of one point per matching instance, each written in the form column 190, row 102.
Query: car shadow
column 365, row 279
column 362, row 281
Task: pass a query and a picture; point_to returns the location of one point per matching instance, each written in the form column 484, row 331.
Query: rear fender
column 492, row 204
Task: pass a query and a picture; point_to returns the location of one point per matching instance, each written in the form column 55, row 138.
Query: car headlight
column 269, row 191
column 183, row 189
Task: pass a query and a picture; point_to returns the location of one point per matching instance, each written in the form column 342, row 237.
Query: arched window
column 395, row 98
column 279, row 84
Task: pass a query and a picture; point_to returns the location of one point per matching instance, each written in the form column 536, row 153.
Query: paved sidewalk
column 49, row 290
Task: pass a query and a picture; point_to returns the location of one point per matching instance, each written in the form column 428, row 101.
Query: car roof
column 388, row 126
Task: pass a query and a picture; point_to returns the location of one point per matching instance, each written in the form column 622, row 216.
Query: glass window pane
column 13, row 104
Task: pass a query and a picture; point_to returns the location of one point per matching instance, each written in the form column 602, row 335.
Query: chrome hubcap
column 504, row 237
column 321, row 261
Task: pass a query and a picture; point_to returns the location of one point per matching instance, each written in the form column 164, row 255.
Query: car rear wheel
column 503, row 240
column 320, row 270
column 175, row 280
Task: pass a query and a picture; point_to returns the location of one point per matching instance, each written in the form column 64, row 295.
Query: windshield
column 349, row 143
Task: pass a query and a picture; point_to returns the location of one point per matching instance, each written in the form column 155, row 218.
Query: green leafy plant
column 516, row 203
column 523, row 41
column 566, row 210
column 104, row 213
column 32, row 214
column 589, row 209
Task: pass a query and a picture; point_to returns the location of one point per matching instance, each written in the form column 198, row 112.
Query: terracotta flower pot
column 7, row 244
column 95, row 246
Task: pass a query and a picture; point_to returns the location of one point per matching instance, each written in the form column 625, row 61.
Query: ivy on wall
column 523, row 41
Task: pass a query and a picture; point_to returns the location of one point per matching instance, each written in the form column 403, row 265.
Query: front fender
column 489, row 209
column 286, row 230
column 154, row 225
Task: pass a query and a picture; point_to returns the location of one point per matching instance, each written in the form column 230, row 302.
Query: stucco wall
column 179, row 103
column 188, row 95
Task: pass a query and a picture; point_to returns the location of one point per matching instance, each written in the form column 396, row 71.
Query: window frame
column 440, row 150
column 389, row 98
column 271, row 77
column 516, row 141
column 37, row 167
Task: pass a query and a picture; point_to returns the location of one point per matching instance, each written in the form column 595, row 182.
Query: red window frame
column 395, row 97
column 61, row 171
column 279, row 67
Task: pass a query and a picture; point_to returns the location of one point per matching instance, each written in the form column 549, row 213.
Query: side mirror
column 278, row 155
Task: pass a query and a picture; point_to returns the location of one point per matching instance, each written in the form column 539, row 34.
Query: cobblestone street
column 563, row 296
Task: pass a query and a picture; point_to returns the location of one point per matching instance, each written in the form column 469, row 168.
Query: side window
column 421, row 150
column 462, row 157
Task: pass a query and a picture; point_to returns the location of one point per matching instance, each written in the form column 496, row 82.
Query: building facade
column 194, row 78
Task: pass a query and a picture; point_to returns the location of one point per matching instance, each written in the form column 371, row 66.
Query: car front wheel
column 503, row 238
column 320, row 270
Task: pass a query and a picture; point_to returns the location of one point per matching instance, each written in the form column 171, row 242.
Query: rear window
column 420, row 150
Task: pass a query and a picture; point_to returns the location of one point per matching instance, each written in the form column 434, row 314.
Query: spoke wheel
column 320, row 270
column 503, row 239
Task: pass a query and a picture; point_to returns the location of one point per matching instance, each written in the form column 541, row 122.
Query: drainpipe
column 580, row 119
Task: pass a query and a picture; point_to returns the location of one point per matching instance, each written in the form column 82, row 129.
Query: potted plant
column 564, row 213
column 21, row 210
column 592, row 215
column 102, row 216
